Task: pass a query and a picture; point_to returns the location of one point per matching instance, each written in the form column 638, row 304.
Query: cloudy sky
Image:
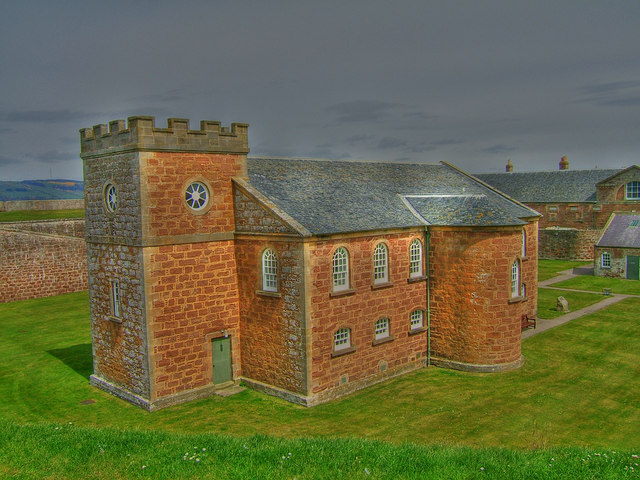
column 469, row 82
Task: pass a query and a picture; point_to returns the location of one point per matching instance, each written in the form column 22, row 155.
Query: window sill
column 380, row 341
column 344, row 351
column 265, row 293
column 516, row 300
column 416, row 331
column 524, row 259
column 421, row 278
column 342, row 293
column 114, row 319
column 378, row 286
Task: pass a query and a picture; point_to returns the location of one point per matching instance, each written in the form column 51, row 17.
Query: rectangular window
column 633, row 190
column 115, row 298
column 416, row 319
column 606, row 260
column 553, row 208
column 382, row 328
column 342, row 339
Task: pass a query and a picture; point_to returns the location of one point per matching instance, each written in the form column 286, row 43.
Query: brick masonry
column 41, row 259
column 475, row 320
column 332, row 376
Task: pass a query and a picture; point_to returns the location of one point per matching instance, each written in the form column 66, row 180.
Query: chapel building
column 305, row 279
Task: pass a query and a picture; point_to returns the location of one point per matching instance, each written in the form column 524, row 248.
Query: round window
column 197, row 196
column 111, row 198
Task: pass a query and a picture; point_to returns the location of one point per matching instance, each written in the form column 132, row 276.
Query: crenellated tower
column 162, row 272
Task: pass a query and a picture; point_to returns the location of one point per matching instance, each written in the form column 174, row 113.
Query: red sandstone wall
column 164, row 177
column 473, row 318
column 273, row 334
column 192, row 298
column 360, row 310
column 34, row 265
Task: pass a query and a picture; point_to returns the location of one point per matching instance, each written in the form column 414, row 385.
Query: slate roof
column 336, row 197
column 549, row 187
column 623, row 231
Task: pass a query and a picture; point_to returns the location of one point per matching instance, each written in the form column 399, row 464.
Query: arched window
column 269, row 271
column 342, row 339
column 515, row 279
column 415, row 258
column 417, row 319
column 605, row 260
column 380, row 264
column 381, row 329
column 340, row 269
column 524, row 243
column 633, row 190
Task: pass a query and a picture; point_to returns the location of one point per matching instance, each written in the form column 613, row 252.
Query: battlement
column 141, row 134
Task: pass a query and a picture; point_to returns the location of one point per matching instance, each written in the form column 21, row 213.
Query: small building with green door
column 617, row 252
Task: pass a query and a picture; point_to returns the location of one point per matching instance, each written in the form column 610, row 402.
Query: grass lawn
column 551, row 268
column 577, row 389
column 23, row 215
column 596, row 284
column 548, row 298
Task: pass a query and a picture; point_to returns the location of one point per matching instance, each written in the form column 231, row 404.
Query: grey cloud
column 358, row 138
column 168, row 96
column 387, row 143
column 5, row 161
column 499, row 149
column 361, row 110
column 52, row 156
column 420, row 116
column 7, row 130
column 46, row 116
column 612, row 94
column 448, row 141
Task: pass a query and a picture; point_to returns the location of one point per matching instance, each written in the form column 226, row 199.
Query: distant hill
column 41, row 190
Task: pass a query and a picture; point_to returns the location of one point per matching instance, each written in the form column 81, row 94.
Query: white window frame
column 605, row 260
column 415, row 258
column 515, row 279
column 632, row 190
column 381, row 328
column 340, row 269
column 197, row 196
column 417, row 319
column 269, row 271
column 381, row 264
column 116, row 311
column 342, row 339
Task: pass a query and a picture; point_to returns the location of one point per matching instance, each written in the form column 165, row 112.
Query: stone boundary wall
column 567, row 243
column 69, row 204
column 43, row 263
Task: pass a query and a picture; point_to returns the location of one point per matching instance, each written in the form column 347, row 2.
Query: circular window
column 197, row 196
column 111, row 198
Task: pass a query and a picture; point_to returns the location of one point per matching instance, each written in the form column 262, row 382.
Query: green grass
column 596, row 284
column 24, row 215
column 551, row 268
column 578, row 388
column 548, row 298
column 66, row 451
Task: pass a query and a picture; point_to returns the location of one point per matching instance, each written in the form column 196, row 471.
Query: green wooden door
column 633, row 267
column 221, row 348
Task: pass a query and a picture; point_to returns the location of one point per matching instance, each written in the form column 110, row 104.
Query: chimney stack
column 509, row 166
column 564, row 163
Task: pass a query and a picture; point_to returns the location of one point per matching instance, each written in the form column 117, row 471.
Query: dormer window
column 633, row 190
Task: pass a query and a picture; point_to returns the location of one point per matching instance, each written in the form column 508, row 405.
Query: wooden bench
column 528, row 322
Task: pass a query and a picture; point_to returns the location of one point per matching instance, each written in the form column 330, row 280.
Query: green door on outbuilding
column 633, row 267
column 221, row 349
